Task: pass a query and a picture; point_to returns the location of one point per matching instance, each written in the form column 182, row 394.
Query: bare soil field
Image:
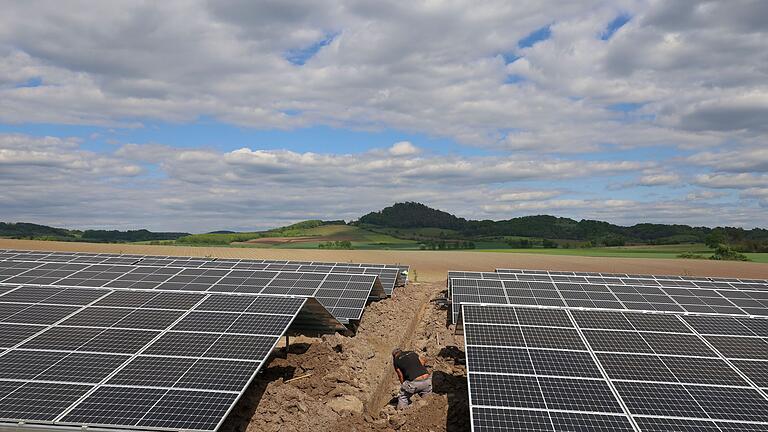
column 429, row 266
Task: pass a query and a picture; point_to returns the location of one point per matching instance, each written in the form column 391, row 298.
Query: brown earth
column 429, row 266
column 347, row 383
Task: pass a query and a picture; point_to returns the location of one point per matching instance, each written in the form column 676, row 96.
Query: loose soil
column 347, row 383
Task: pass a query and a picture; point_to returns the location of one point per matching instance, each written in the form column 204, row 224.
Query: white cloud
column 529, row 195
column 705, row 195
column 435, row 68
column 403, row 148
column 732, row 181
column 741, row 161
column 53, row 181
column 687, row 76
column 660, row 179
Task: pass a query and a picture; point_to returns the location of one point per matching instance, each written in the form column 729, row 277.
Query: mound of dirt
column 347, row 383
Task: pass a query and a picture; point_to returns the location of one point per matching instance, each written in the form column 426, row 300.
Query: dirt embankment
column 339, row 383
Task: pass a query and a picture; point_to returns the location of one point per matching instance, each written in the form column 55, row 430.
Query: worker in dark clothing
column 413, row 375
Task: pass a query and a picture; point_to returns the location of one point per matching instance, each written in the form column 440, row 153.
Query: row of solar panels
column 619, row 279
column 344, row 295
column 136, row 359
column 718, row 297
column 561, row 355
column 389, row 275
column 150, row 347
column 627, row 275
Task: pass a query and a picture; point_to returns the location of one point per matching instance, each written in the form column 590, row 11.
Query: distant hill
column 24, row 230
column 30, row 230
column 416, row 215
column 129, row 236
column 414, row 225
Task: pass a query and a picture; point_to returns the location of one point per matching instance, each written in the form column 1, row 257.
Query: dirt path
column 429, row 266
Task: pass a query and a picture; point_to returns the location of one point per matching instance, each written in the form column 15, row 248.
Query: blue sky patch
column 300, row 56
column 32, row 82
column 625, row 106
column 510, row 58
column 615, row 25
column 514, row 79
column 536, row 36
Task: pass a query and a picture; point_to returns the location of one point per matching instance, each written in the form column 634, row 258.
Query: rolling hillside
column 414, row 226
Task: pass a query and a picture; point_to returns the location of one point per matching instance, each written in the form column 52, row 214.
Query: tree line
column 417, row 215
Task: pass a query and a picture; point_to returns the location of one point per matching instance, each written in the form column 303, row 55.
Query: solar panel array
column 344, row 295
column 556, row 369
column 631, row 276
column 161, row 343
column 389, row 275
column 716, row 297
column 132, row 359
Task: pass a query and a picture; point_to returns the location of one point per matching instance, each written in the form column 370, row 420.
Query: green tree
column 716, row 238
column 724, row 253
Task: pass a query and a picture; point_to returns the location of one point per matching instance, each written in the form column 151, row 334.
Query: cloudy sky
column 235, row 114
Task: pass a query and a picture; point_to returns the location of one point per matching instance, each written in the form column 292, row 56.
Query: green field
column 310, row 234
column 662, row 251
column 302, row 237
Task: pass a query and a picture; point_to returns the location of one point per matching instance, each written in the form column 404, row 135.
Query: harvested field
column 430, row 266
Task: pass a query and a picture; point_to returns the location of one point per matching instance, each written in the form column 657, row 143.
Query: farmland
column 301, row 237
column 645, row 251
column 376, row 238
column 430, row 265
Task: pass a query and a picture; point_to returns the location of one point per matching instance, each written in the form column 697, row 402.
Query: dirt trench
column 346, row 383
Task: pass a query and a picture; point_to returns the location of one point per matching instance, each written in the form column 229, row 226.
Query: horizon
column 355, row 220
column 203, row 116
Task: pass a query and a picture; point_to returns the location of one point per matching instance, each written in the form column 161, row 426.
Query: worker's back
column 410, row 365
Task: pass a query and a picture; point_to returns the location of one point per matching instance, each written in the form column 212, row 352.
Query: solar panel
column 344, row 295
column 535, row 368
column 134, row 359
column 728, row 301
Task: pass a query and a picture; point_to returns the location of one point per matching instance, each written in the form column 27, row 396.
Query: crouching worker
column 413, row 375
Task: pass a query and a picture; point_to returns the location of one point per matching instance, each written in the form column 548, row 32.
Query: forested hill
column 416, row 215
column 23, row 230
